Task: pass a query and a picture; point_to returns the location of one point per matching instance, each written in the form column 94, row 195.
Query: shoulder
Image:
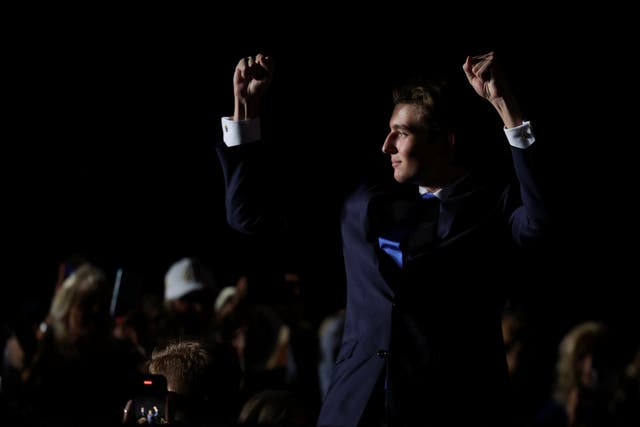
column 480, row 186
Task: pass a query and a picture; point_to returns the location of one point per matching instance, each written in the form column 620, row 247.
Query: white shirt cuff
column 240, row 132
column 520, row 136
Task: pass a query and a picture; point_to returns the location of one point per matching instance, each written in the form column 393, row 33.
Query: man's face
column 418, row 154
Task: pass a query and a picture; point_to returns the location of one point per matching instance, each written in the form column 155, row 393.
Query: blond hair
column 576, row 342
column 88, row 286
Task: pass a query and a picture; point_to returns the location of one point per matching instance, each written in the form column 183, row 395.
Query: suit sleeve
column 528, row 206
column 251, row 189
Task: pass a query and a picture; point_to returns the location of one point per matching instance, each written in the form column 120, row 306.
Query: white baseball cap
column 181, row 280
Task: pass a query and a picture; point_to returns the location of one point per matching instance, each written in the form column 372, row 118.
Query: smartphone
column 149, row 398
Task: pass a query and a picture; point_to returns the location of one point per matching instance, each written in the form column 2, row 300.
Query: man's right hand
column 250, row 81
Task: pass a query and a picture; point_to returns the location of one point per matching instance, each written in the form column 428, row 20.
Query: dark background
column 113, row 117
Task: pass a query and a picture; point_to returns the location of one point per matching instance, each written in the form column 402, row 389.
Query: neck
column 451, row 175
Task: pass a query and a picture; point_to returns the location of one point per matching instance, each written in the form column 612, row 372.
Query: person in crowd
column 202, row 383
column 274, row 408
column 189, row 296
column 80, row 372
column 585, row 381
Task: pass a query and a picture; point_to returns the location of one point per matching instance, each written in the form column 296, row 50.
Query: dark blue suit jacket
column 432, row 327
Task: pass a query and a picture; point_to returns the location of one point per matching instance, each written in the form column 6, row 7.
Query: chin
column 402, row 178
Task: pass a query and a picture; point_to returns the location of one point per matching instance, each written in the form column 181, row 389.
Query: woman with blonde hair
column 80, row 372
column 585, row 379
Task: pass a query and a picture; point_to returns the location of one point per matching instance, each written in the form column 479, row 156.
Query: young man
column 422, row 342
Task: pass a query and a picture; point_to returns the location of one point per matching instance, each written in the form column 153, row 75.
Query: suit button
column 382, row 354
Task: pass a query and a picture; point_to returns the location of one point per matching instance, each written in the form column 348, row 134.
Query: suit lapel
column 393, row 208
column 457, row 212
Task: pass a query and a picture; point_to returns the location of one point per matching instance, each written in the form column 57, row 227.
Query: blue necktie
column 428, row 196
column 392, row 243
column 391, row 247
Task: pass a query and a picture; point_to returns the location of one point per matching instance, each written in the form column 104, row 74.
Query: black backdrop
column 114, row 116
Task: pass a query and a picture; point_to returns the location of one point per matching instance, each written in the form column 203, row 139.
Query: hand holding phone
column 149, row 400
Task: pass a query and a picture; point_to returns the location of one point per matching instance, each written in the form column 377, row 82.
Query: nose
column 389, row 146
